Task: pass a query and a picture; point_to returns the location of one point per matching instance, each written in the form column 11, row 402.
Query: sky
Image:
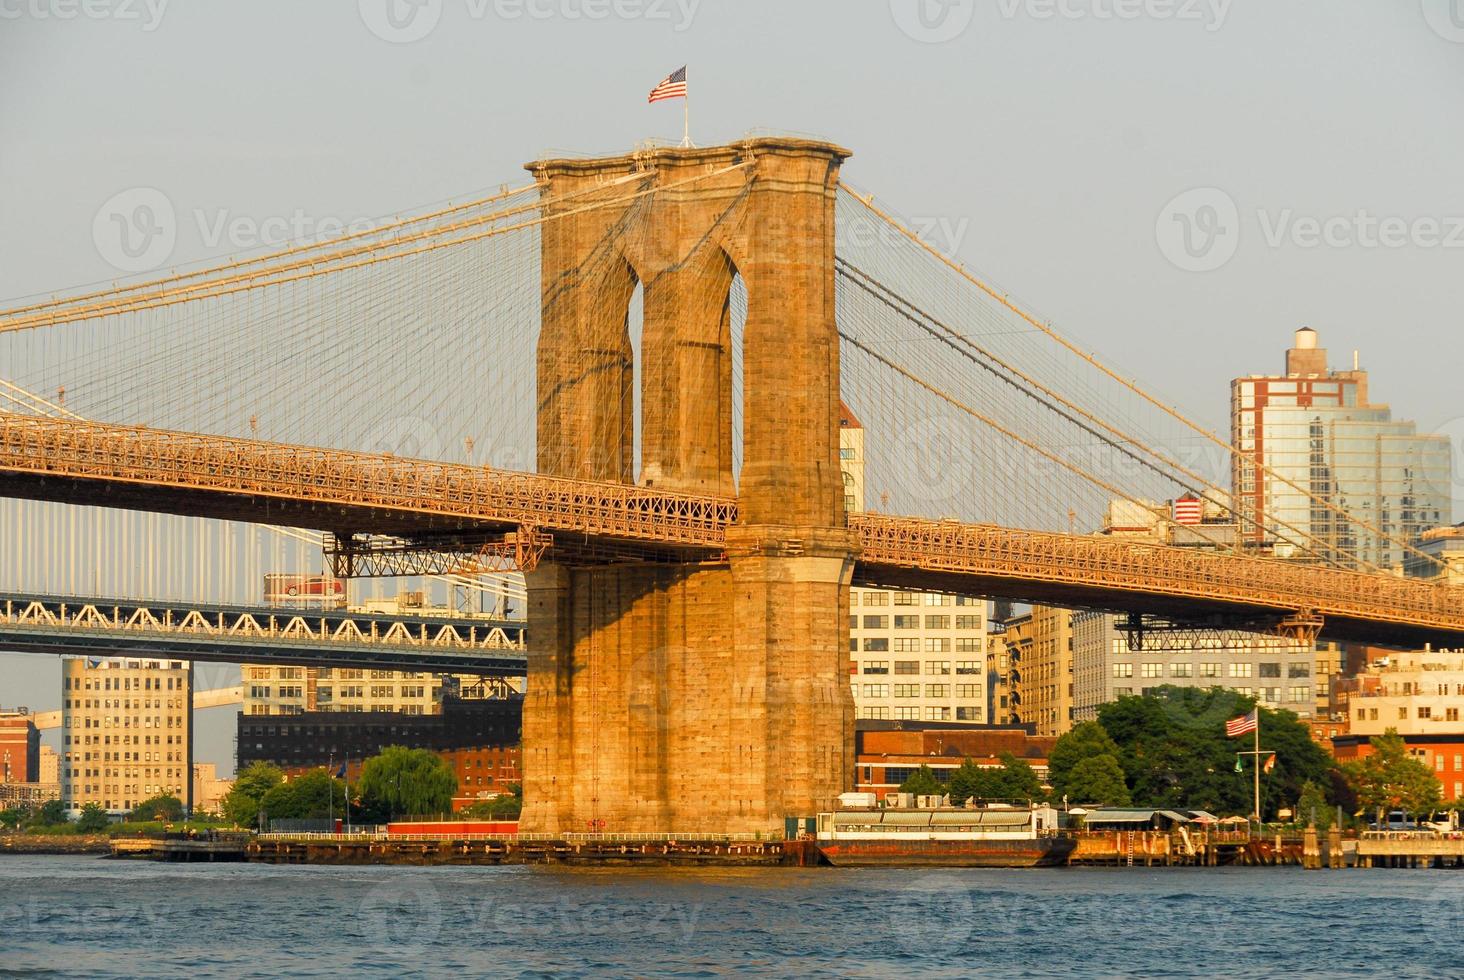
column 1177, row 184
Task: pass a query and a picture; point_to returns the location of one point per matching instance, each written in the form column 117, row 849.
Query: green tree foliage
column 1012, row 780
column 1313, row 802
column 1389, row 779
column 313, row 795
column 505, row 806
column 93, row 819
column 165, row 808
column 1174, row 752
column 241, row 805
column 1097, row 779
column 51, row 812
column 1087, row 740
column 922, row 782
column 403, row 782
column 12, row 817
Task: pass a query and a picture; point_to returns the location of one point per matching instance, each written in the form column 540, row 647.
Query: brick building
column 886, row 754
column 20, row 747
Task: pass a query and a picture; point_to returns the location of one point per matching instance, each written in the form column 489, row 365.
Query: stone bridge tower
column 710, row 696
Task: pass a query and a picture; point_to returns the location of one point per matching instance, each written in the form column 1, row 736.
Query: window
column 907, row 690
column 1271, row 670
column 874, row 711
column 938, row 667
column 968, row 714
column 968, row 622
column 1298, row 670
column 937, row 622
column 876, row 644
column 904, row 598
column 1451, row 714
column 1122, row 692
column 968, row 667
column 846, row 452
column 907, row 622
column 907, row 666
column 937, row 690
column 907, row 644
column 1240, row 670
column 853, row 622
column 937, row 714
column 907, row 714
column 1181, row 670
column 1402, row 714
column 935, row 599
column 1123, row 670
column 1296, row 695
column 876, row 598
column 968, row 644
column 968, row 691
column 1425, row 711
column 876, row 690
column 877, row 667
column 937, row 644
column 1153, row 670
column 876, row 622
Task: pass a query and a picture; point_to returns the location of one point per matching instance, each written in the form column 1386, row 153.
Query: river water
column 70, row 916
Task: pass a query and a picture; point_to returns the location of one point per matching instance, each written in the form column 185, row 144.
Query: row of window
column 935, row 667
column 1231, row 669
column 1270, row 695
column 912, row 621
column 881, row 598
column 964, row 691
column 1424, row 712
column 929, row 713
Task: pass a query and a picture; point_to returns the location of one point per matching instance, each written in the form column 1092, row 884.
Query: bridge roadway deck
column 345, row 492
column 267, row 635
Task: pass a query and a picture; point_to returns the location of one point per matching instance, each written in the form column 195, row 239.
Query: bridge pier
column 708, row 696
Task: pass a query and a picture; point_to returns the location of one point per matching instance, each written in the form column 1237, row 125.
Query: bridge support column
column 697, row 697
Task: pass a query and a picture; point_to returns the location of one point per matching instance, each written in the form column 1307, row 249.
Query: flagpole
column 1257, row 767
column 686, row 118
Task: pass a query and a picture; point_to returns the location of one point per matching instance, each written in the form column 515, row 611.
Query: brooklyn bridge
column 624, row 378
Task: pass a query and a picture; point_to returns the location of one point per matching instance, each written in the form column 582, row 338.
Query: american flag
column 673, row 86
column 1188, row 510
column 1242, row 725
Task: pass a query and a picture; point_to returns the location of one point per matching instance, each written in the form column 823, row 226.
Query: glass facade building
column 1311, row 438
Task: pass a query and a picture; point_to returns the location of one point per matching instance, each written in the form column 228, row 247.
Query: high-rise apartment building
column 1439, row 555
column 1312, row 444
column 124, row 731
column 912, row 655
column 1039, row 646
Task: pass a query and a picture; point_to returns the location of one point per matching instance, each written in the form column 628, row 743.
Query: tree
column 1086, row 740
column 406, row 782
column 52, row 812
column 166, row 808
column 12, row 817
column 921, row 782
column 965, row 783
column 504, row 806
column 1389, row 779
column 310, row 796
column 93, row 819
column 1097, row 779
column 1312, row 803
column 241, row 805
column 1174, row 752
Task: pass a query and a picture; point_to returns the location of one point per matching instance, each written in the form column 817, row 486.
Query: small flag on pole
column 1270, row 763
column 673, row 86
column 1240, row 726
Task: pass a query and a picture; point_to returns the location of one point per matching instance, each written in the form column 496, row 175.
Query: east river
column 85, row 916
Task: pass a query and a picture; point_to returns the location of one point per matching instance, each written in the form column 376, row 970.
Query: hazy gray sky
column 1045, row 141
